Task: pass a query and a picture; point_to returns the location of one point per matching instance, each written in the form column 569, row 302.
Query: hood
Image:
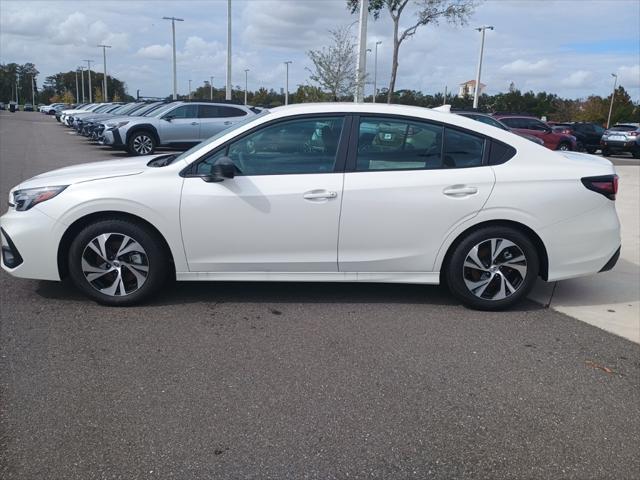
column 89, row 171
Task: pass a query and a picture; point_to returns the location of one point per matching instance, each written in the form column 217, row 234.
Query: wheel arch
column 80, row 223
column 533, row 236
column 143, row 127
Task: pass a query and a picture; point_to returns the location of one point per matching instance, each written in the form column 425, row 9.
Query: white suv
column 176, row 124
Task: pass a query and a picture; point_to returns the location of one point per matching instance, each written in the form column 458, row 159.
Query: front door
column 281, row 211
column 180, row 125
column 413, row 182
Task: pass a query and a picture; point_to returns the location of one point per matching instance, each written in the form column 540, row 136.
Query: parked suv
column 176, row 124
column 588, row 134
column 538, row 128
column 622, row 138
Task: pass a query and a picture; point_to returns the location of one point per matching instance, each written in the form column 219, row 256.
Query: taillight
column 606, row 185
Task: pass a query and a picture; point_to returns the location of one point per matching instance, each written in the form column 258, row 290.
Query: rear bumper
column 620, row 146
column 612, row 261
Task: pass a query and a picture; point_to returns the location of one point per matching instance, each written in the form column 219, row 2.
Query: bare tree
column 334, row 66
column 456, row 12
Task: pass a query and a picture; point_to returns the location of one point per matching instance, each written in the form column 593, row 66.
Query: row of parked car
column 579, row 136
column 142, row 127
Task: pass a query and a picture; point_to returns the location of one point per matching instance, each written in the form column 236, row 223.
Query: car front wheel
column 141, row 143
column 117, row 262
column 565, row 147
column 492, row 268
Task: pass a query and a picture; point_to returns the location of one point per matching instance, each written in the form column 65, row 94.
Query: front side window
column 308, row 145
column 184, row 111
column 394, row 144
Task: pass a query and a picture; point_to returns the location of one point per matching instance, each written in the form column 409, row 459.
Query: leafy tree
column 455, row 12
column 309, row 93
column 334, row 66
column 97, row 95
column 68, row 97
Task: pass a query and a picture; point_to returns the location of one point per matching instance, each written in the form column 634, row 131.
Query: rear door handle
column 227, row 122
column 194, row 123
column 319, row 195
column 459, row 191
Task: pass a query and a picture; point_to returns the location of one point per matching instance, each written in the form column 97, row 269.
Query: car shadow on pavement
column 176, row 293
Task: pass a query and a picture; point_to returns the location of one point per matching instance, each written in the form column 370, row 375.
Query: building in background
column 469, row 88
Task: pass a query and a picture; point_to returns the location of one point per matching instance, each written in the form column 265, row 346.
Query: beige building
column 469, row 88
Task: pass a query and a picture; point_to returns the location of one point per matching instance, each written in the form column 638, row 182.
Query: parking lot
column 253, row 380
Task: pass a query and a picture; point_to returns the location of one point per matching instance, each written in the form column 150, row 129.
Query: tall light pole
column 246, row 74
column 228, row 91
column 211, row 87
column 375, row 72
column 286, row 87
column 173, row 36
column 476, row 95
column 82, row 80
column 105, row 95
column 189, row 89
column 364, row 82
column 613, row 94
column 89, row 73
column 33, row 93
column 77, row 88
column 361, row 66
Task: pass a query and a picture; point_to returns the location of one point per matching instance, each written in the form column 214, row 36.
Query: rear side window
column 393, row 144
column 462, row 150
column 230, row 112
column 500, row 152
column 208, row 111
column 513, row 122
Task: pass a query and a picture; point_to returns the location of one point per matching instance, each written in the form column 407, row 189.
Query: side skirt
column 431, row 278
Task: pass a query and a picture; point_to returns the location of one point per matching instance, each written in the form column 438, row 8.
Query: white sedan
column 324, row 192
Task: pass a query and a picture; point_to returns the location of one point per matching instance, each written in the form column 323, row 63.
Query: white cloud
column 525, row 68
column 577, row 79
column 629, row 77
column 155, row 52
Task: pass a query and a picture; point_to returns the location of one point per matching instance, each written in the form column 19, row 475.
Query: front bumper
column 112, row 138
column 35, row 237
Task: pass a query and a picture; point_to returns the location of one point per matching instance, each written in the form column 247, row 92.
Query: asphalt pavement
column 319, row 381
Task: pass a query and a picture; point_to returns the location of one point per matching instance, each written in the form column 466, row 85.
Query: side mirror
column 168, row 118
column 222, row 168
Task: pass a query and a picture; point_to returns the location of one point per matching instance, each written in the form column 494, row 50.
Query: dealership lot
column 248, row 380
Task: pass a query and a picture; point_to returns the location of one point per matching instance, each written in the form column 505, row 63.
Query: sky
column 568, row 47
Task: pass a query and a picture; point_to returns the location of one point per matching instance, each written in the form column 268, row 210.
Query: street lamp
column 613, row 94
column 286, row 88
column 173, row 33
column 246, row 71
column 89, row 73
column 105, row 96
column 77, row 88
column 211, row 87
column 476, row 95
column 364, row 82
column 375, row 72
column 82, row 80
column 189, row 89
column 228, row 90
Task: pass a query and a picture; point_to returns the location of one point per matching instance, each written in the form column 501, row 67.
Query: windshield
column 218, row 135
column 146, row 110
column 126, row 108
column 161, row 110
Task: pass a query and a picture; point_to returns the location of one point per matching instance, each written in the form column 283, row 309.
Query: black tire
column 153, row 258
column 591, row 150
column 142, row 142
column 564, row 146
column 606, row 152
column 636, row 153
column 457, row 274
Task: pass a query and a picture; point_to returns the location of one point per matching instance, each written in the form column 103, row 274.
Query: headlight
column 30, row 197
column 113, row 126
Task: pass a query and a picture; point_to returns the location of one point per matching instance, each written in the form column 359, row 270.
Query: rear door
column 408, row 184
column 180, row 125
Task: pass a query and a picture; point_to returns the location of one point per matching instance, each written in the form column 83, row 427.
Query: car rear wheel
column 141, row 143
column 606, row 152
column 492, row 268
column 564, row 146
column 591, row 150
column 117, row 262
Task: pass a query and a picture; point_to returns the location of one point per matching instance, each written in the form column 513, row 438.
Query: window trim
column 352, row 155
column 341, row 152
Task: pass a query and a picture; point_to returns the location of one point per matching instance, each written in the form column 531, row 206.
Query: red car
column 538, row 128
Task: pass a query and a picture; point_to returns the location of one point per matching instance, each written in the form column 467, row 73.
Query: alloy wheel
column 115, row 264
column 494, row 269
column 143, row 144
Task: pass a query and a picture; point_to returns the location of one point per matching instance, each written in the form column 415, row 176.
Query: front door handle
column 228, row 122
column 459, row 191
column 319, row 195
column 194, row 123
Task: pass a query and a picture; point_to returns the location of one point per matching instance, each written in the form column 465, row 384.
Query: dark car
column 2, row 106
column 538, row 128
column 27, row 107
column 489, row 120
column 588, row 134
column 621, row 138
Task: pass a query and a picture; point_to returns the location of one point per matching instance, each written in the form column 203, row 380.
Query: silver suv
column 176, row 124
